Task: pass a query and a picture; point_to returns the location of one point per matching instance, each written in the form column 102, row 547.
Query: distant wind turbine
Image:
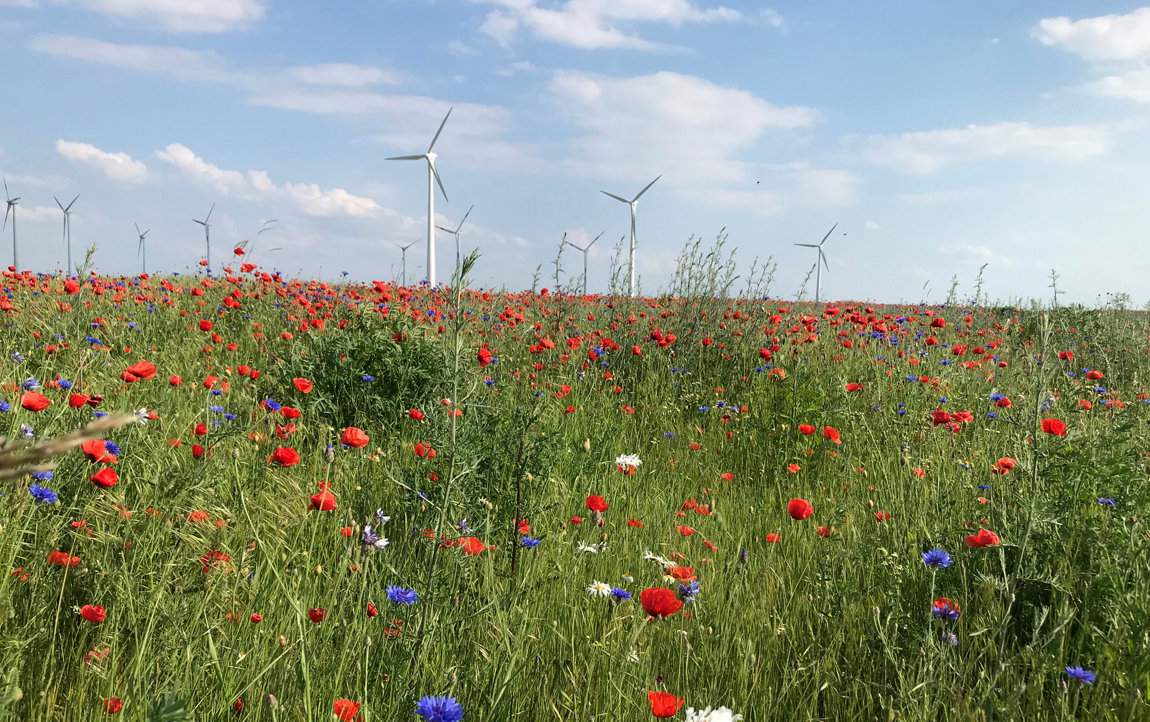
column 583, row 250
column 207, row 224
column 455, row 233
column 67, row 211
column 403, row 252
column 432, row 180
column 632, row 204
column 142, row 249
column 11, row 210
column 821, row 257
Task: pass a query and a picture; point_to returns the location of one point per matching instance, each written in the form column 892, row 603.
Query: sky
column 938, row 136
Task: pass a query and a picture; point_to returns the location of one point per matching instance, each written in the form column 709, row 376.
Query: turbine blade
column 202, row 223
column 6, row 193
column 446, row 230
column 823, row 258
column 645, row 189
column 58, row 203
column 593, row 240
column 69, row 207
column 137, row 225
column 209, row 216
column 828, row 235
column 438, row 180
column 440, row 128
column 407, row 157
column 612, row 195
column 806, row 245
column 6, row 218
column 465, row 215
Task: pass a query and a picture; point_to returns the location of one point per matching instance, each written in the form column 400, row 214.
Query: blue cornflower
column 43, row 494
column 402, row 596
column 688, row 592
column 42, row 475
column 619, row 594
column 368, row 378
column 704, row 409
column 488, row 382
column 439, row 709
column 936, row 558
column 1107, row 501
column 64, row 384
column 992, row 415
column 31, row 383
column 99, row 414
column 272, row 404
column 112, row 447
column 943, row 608
column 216, row 409
column 529, row 542
column 1079, row 674
column 668, row 434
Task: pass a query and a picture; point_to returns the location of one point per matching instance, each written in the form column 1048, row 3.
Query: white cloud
column 117, row 166
column 1130, row 85
column 976, row 252
column 685, row 127
column 343, row 75
column 178, row 62
column 1102, row 38
column 871, row 226
column 924, row 152
column 309, row 198
column 185, row 16
column 592, row 24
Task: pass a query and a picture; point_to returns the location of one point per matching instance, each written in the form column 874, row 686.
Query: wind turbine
column 822, row 257
column 67, row 211
column 456, row 234
column 632, row 204
column 11, row 210
column 583, row 250
column 207, row 224
column 403, row 251
column 142, row 249
column 432, row 180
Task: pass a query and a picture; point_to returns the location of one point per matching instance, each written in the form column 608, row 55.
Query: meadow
column 365, row 501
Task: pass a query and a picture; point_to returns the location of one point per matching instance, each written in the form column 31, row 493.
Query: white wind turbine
column 142, row 248
column 455, row 233
column 207, row 224
column 432, row 180
column 67, row 211
column 403, row 252
column 632, row 204
column 822, row 257
column 583, row 250
column 11, row 210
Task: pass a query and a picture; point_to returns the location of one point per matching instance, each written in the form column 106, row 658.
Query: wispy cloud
column 924, row 152
column 180, row 16
column 593, row 24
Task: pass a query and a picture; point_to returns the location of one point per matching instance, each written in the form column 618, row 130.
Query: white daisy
column 720, row 714
column 599, row 589
column 628, row 461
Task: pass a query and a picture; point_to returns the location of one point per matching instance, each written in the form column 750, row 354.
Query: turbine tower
column 632, row 204
column 583, row 250
column 11, row 211
column 455, row 233
column 403, row 252
column 207, row 224
column 433, row 179
column 821, row 257
column 142, row 249
column 67, row 211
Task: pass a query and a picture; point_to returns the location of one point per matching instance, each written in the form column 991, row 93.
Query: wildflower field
column 384, row 503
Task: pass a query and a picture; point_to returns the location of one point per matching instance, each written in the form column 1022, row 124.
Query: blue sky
column 939, row 136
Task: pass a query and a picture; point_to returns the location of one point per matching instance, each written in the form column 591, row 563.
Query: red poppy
column 93, row 613
column 806, row 429
column 97, row 452
column 773, row 538
column 105, row 478
column 659, row 602
column 63, row 559
column 832, row 434
column 323, row 500
column 852, row 387
column 799, row 509
column 354, row 437
column 77, row 401
column 345, row 710
column 1004, row 465
column 415, row 415
column 596, row 503
column 1054, row 427
column 141, row 370
column 35, row 401
column 317, row 614
column 302, row 385
column 664, row 704
column 484, row 356
column 285, row 456
column 113, row 705
column 472, row 546
column 984, row 538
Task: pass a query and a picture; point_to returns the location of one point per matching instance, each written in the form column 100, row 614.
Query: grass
column 817, row 626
